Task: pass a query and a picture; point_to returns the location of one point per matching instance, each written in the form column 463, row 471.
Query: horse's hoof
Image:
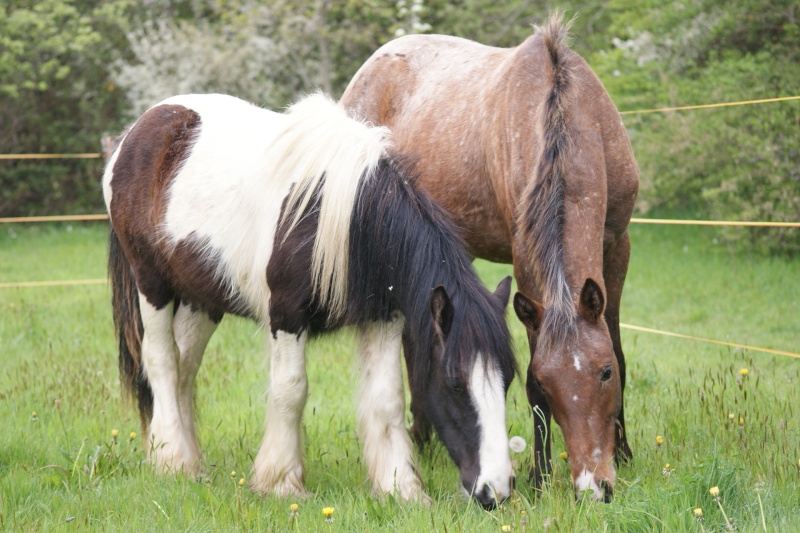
column 408, row 495
column 289, row 484
column 169, row 463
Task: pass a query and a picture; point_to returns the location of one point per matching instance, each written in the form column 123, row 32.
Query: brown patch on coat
column 148, row 160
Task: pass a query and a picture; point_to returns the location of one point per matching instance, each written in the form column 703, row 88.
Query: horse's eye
column 455, row 384
column 606, row 375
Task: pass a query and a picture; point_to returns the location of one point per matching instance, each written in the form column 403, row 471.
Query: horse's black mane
column 402, row 246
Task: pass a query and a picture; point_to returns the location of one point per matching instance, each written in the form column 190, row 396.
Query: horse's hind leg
column 615, row 269
column 193, row 329
column 167, row 442
column 381, row 411
column 278, row 466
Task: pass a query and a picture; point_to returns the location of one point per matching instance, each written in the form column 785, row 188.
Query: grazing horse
column 302, row 222
column 525, row 150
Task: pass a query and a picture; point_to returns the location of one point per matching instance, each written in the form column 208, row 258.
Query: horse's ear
column 442, row 311
column 503, row 291
column 592, row 301
column 529, row 312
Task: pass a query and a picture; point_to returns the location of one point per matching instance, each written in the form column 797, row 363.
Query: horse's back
column 428, row 90
column 468, row 115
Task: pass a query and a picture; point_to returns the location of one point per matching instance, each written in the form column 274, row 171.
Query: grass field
column 62, row 470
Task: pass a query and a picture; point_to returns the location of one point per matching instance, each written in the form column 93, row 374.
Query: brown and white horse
column 525, row 150
column 302, row 222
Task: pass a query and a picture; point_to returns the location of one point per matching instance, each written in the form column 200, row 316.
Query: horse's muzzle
column 488, row 497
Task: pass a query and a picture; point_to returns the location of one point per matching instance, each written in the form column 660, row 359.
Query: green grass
column 62, row 470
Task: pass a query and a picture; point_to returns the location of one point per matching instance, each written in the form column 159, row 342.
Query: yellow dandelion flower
column 730, row 416
column 743, row 372
column 698, row 513
column 505, row 527
column 241, row 482
column 564, row 455
column 114, row 433
column 666, row 467
column 741, row 420
column 659, row 440
column 294, row 507
column 714, row 491
column 233, row 474
column 132, row 435
column 327, row 511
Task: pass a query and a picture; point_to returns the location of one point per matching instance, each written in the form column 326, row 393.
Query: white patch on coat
column 108, row 174
column 584, row 482
column 171, row 445
column 596, row 454
column 388, row 451
column 488, row 397
column 192, row 330
column 278, row 467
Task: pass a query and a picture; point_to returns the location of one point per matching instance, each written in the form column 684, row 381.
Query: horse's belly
column 486, row 235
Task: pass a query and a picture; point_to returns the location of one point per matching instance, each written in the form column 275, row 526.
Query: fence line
column 72, row 283
column 708, row 106
column 703, row 339
column 57, row 218
column 665, row 221
column 715, row 223
column 51, row 156
column 62, row 283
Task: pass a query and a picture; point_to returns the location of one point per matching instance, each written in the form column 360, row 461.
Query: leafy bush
column 727, row 163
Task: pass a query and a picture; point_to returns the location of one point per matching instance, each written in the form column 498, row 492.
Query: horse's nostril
column 489, row 498
column 486, row 498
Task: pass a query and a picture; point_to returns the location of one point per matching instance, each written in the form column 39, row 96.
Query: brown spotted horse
column 525, row 150
column 303, row 222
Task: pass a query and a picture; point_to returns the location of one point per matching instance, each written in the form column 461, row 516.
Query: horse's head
column 579, row 377
column 464, row 387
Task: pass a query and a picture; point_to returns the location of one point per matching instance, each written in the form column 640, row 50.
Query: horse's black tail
column 129, row 329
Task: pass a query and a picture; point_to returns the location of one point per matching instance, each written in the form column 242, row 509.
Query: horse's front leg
column 381, row 411
column 615, row 268
column 278, row 466
column 542, row 466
